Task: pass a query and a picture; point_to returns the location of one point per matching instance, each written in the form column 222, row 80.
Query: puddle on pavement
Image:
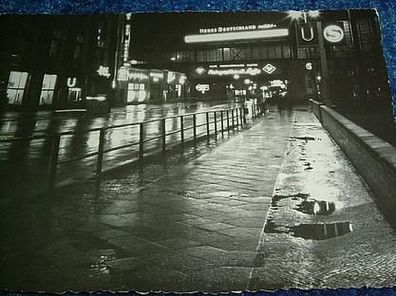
column 311, row 231
column 316, row 207
column 276, row 198
column 321, row 231
column 100, row 267
column 308, row 206
column 188, row 194
column 305, row 138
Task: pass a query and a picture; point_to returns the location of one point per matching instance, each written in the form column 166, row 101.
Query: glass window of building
column 237, row 54
column 278, row 51
column 47, row 89
column 286, row 52
column 136, row 92
column 53, row 49
column 210, row 55
column 365, row 35
column 182, row 56
column 271, row 52
column 226, row 54
column 16, row 87
column 302, row 53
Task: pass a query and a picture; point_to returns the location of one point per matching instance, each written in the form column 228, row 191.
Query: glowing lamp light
column 236, row 76
column 182, row 79
column 316, row 208
column 200, row 70
column 314, row 13
column 171, row 76
column 230, row 36
column 294, row 14
column 247, row 81
column 319, row 78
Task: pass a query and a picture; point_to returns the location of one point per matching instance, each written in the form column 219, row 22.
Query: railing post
column 53, row 164
column 228, row 120
column 207, row 125
column 163, row 131
column 141, row 140
column 182, row 129
column 195, row 127
column 215, row 122
column 252, row 111
column 232, row 118
column 236, row 117
column 222, row 123
column 244, row 115
column 100, row 153
column 241, row 116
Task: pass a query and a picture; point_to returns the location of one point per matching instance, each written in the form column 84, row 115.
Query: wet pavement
column 274, row 206
column 25, row 164
column 45, row 122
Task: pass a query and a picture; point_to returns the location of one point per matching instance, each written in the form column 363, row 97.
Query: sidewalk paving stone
column 199, row 223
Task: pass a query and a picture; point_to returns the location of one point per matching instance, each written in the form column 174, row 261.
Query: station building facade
column 136, row 85
column 330, row 54
column 56, row 62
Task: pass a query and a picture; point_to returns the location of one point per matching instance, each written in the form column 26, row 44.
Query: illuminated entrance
column 266, row 79
column 17, row 83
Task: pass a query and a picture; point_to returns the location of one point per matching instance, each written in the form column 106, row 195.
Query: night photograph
column 196, row 151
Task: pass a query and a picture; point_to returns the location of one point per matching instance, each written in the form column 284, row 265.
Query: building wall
column 61, row 56
column 355, row 66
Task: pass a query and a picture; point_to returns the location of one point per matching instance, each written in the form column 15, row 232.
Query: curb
column 372, row 157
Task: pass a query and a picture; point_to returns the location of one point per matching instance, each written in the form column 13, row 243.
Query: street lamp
column 318, row 79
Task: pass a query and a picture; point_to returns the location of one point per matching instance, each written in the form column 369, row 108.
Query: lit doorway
column 17, row 82
column 47, row 90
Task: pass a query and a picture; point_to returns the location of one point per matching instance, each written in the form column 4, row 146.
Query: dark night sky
column 167, row 30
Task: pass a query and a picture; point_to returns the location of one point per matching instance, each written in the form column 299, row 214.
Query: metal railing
column 216, row 122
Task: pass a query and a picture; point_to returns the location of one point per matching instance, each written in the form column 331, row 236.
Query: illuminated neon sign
column 269, row 68
column 71, row 82
column 171, row 76
column 202, row 88
column 230, row 36
column 103, row 71
column 333, row 33
column 137, row 75
column 157, row 75
column 236, row 28
column 232, row 71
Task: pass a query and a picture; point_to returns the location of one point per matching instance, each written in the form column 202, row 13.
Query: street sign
column 202, row 88
column 269, row 68
column 333, row 33
column 71, row 82
column 103, row 71
column 308, row 66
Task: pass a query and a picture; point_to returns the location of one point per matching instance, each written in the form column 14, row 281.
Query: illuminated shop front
column 55, row 62
column 150, row 85
column 17, row 83
column 47, row 90
column 322, row 54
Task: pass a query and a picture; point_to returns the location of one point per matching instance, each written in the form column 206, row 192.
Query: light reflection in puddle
column 321, row 231
column 316, row 207
column 311, row 231
column 101, row 266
